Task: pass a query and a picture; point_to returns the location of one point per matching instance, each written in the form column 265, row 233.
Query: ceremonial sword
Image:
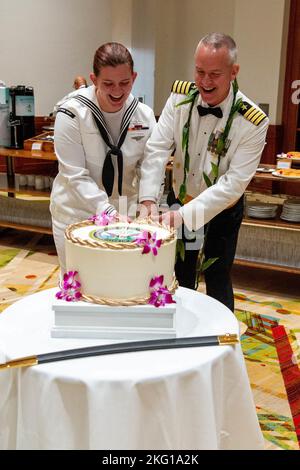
column 117, row 348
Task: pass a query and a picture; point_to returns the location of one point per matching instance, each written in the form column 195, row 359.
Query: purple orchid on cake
column 70, row 287
column 159, row 294
column 149, row 242
column 102, row 219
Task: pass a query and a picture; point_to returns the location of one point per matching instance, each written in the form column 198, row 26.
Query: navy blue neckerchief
column 108, row 172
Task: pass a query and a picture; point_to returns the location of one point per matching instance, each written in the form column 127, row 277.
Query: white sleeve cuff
column 110, row 209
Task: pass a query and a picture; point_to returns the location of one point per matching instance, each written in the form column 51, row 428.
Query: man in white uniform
column 218, row 136
column 100, row 136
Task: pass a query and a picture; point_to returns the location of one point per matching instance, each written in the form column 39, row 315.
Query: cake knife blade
column 117, row 348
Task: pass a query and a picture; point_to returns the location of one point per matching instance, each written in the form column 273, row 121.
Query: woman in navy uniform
column 100, row 136
column 218, row 135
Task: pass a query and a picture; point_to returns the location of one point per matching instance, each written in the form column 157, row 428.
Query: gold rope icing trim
column 115, row 245
column 126, row 302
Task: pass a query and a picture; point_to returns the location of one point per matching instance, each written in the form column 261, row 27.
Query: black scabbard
column 133, row 346
column 118, row 348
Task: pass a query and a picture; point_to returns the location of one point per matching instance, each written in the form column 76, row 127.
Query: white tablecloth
column 194, row 398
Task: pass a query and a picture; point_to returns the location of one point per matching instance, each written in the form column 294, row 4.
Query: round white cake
column 110, row 261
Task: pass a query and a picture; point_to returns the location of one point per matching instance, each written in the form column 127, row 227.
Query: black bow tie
column 203, row 111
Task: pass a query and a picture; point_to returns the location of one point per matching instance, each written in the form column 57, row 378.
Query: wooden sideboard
column 10, row 185
column 277, row 183
column 253, row 230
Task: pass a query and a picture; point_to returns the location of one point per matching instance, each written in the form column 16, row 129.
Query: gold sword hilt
column 21, row 362
column 228, row 338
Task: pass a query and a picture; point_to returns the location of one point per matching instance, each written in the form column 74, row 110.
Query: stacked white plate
column 291, row 210
column 21, row 211
column 259, row 210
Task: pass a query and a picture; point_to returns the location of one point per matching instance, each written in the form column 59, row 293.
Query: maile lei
column 220, row 150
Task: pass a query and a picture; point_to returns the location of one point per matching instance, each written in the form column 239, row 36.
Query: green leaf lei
column 191, row 98
column 203, row 264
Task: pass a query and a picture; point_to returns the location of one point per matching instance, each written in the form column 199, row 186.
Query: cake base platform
column 88, row 320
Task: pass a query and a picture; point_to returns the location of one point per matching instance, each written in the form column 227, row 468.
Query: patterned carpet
column 271, row 338
column 271, row 346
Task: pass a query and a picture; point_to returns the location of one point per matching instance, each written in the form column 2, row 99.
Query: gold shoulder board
column 182, row 87
column 253, row 114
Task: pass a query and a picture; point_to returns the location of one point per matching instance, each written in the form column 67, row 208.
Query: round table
column 193, row 398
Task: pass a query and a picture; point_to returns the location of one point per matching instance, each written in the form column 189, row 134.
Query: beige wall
column 260, row 30
column 45, row 43
column 143, row 48
column 180, row 25
column 122, row 22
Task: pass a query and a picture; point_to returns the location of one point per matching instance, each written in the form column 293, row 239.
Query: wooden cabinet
column 281, row 239
column 254, row 231
column 270, row 243
column 10, row 185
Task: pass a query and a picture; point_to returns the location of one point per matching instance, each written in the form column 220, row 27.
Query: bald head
column 79, row 81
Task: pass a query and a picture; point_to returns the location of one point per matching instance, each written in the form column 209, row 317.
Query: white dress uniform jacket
column 236, row 168
column 77, row 191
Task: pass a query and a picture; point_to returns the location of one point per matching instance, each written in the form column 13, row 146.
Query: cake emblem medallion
column 116, row 234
